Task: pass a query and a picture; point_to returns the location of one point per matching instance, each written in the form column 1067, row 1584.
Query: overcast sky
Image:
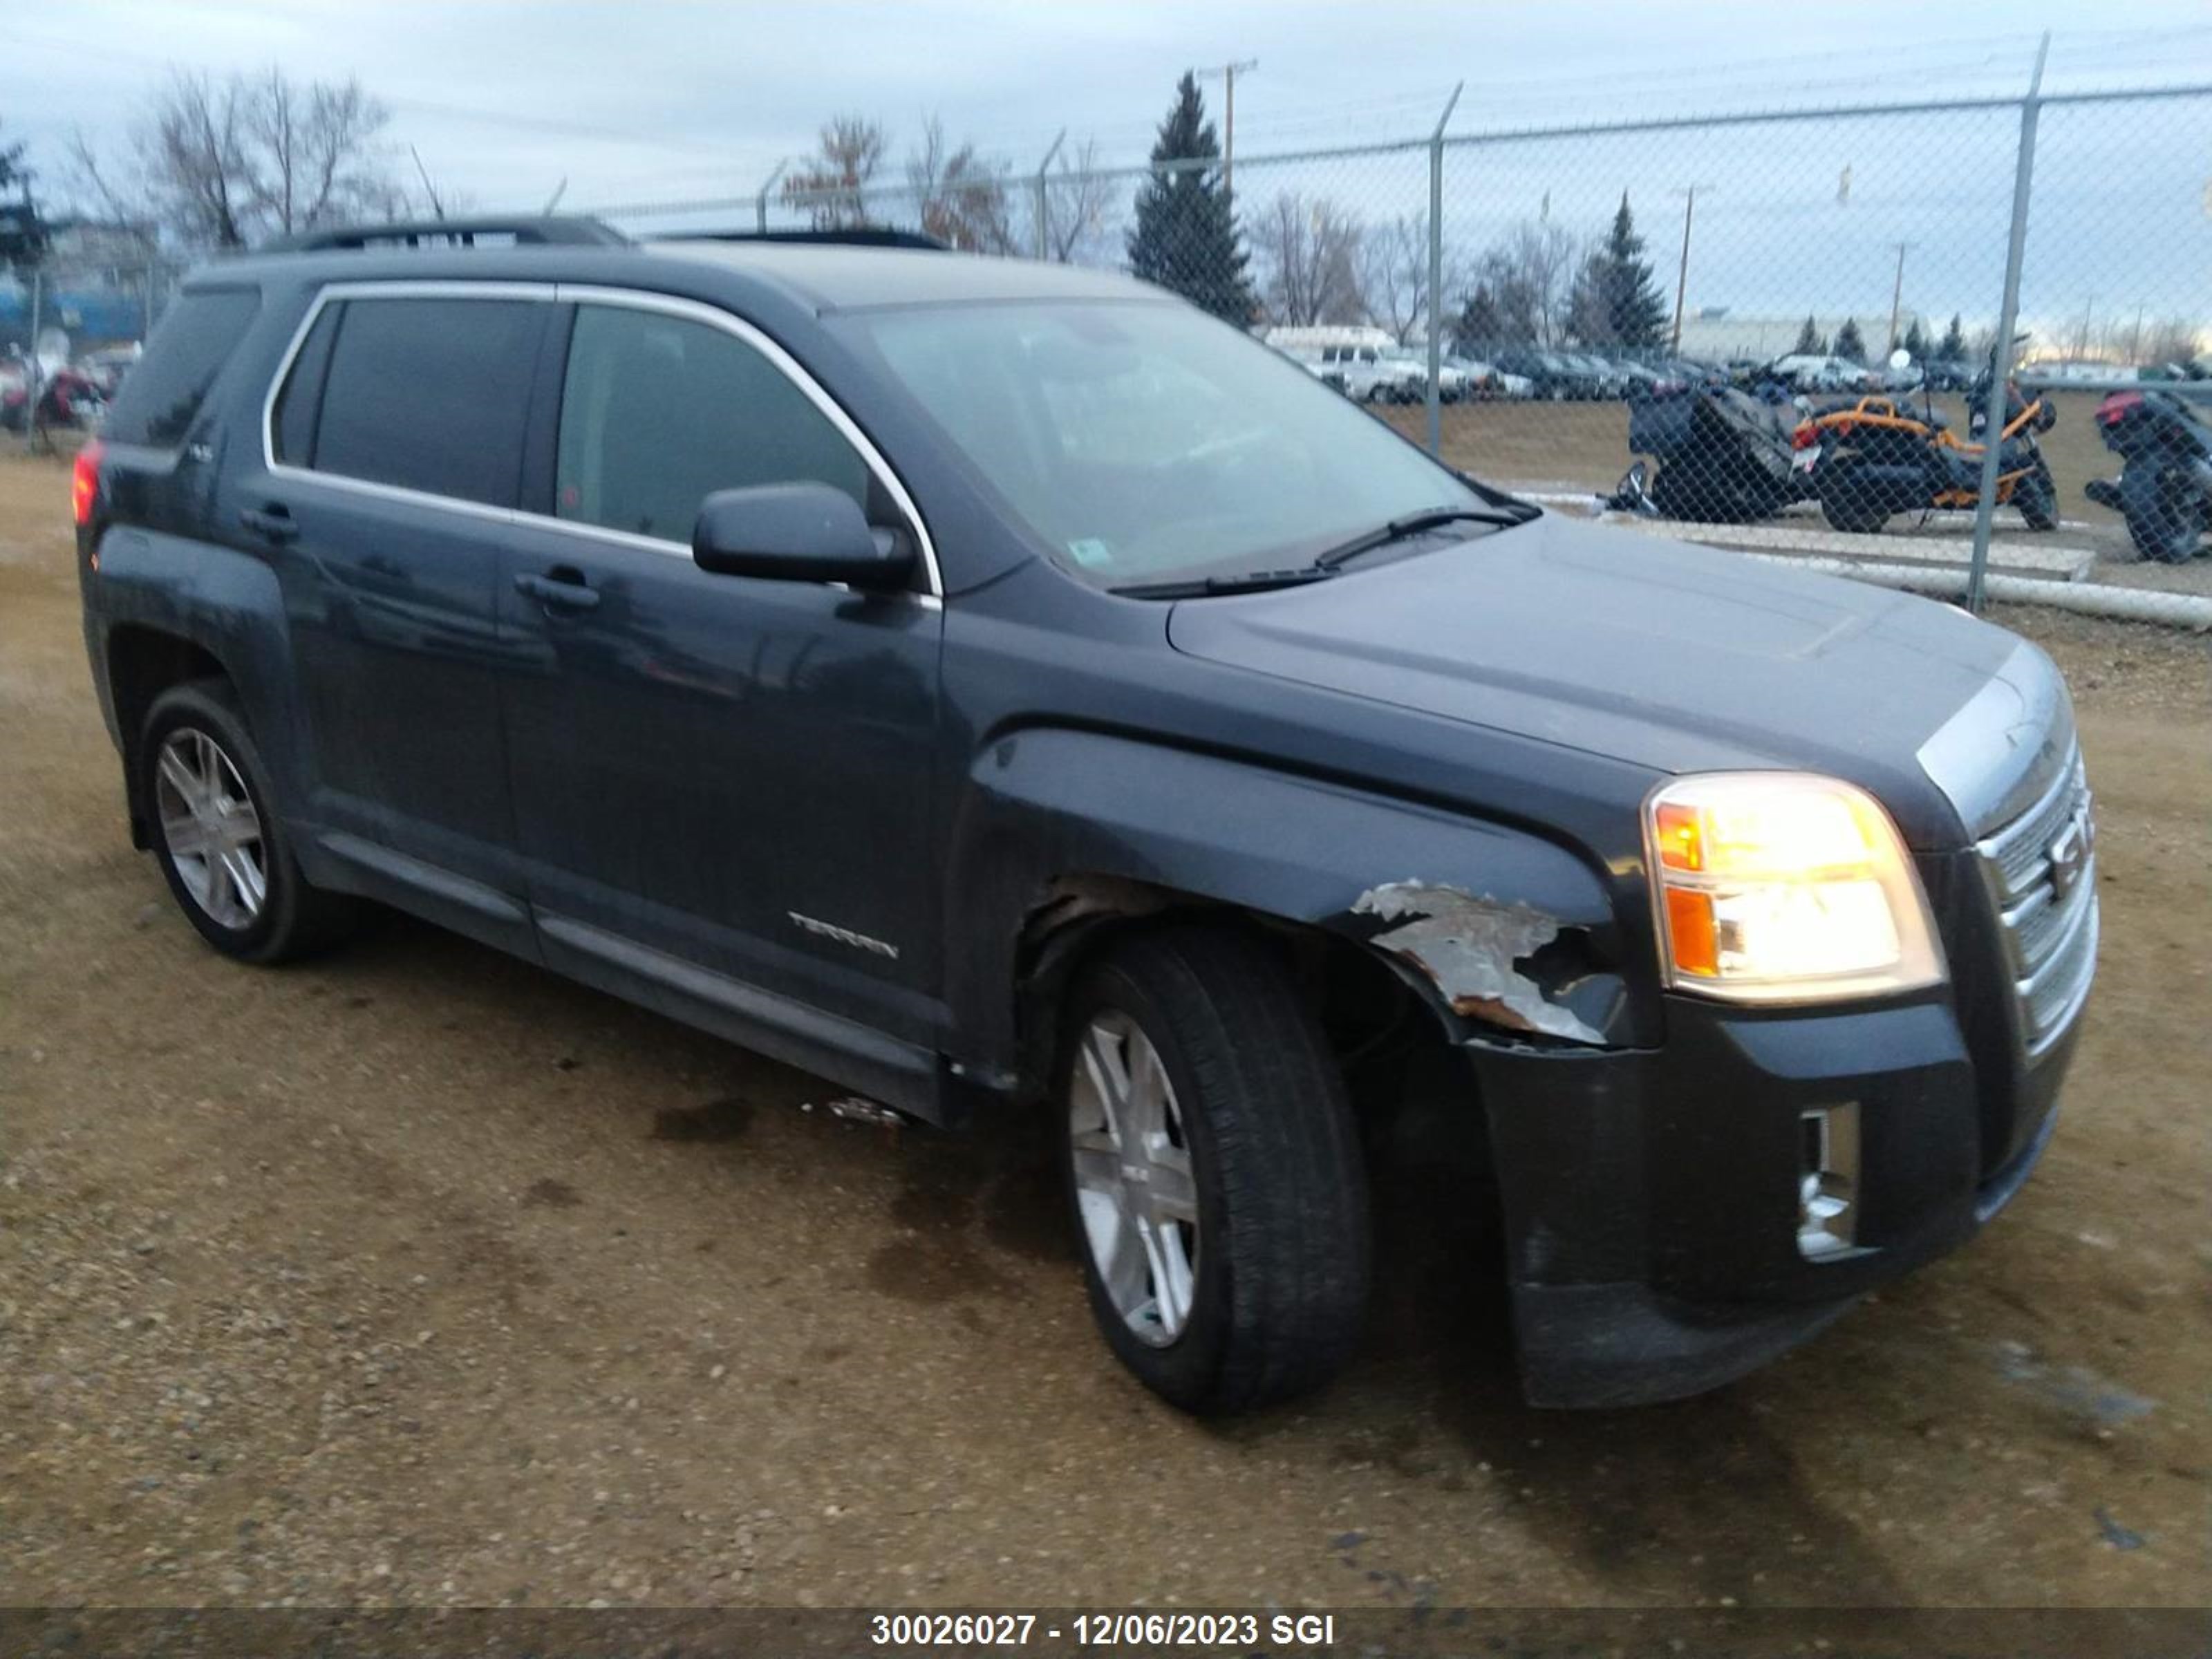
column 633, row 99
column 645, row 100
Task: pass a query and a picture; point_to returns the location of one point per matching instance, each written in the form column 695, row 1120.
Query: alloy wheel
column 1134, row 1185
column 210, row 827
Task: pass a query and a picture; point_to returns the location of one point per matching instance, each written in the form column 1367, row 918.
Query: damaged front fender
column 1481, row 954
column 1500, row 964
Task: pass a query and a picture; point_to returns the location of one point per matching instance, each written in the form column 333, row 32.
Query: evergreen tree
column 1480, row 325
column 1916, row 343
column 1635, row 309
column 1953, row 343
column 1848, row 346
column 1589, row 308
column 1186, row 237
column 1809, row 343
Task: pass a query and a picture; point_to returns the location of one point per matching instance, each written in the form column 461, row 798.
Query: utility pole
column 1043, row 198
column 1682, row 273
column 1897, row 293
column 1229, row 72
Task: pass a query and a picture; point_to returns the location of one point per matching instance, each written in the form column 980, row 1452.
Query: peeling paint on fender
column 1469, row 946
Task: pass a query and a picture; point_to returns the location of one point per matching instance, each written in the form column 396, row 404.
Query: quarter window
column 428, row 394
column 195, row 339
column 659, row 412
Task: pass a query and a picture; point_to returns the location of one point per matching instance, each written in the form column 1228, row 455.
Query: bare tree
column 2173, row 340
column 1078, row 208
column 832, row 191
column 1393, row 268
column 1311, row 251
column 221, row 163
column 961, row 197
column 1524, row 285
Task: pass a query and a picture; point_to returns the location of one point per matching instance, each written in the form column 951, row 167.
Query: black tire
column 294, row 918
column 2169, row 525
column 1281, row 1283
column 2037, row 497
column 1848, row 504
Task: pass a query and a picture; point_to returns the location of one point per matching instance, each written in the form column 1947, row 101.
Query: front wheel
column 1214, row 1170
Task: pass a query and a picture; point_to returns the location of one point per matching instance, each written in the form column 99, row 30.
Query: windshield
column 1144, row 441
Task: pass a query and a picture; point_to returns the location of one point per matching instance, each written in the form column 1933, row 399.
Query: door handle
column 272, row 522
column 562, row 588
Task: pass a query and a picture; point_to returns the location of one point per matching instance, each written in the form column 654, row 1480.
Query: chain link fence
column 1784, row 331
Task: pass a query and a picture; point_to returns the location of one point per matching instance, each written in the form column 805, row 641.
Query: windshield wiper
column 1504, row 517
column 1419, row 524
column 1249, row 581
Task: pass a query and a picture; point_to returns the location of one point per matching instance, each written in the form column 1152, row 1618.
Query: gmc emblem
column 2070, row 853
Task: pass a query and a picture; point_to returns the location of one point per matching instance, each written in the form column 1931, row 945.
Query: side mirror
column 799, row 533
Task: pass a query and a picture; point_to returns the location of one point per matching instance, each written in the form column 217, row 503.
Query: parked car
column 1599, row 380
column 1807, row 373
column 1549, row 375
column 1412, row 369
column 1486, row 379
column 977, row 680
column 1948, row 373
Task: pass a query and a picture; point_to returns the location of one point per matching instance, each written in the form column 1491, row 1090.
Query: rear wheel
column 2165, row 522
column 228, row 861
column 2037, row 497
column 1214, row 1171
column 1848, row 502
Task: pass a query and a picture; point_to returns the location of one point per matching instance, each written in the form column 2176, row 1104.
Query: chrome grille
column 2042, row 874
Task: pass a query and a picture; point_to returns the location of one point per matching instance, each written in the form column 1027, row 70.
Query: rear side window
column 427, row 394
column 193, row 340
column 659, row 412
column 292, row 431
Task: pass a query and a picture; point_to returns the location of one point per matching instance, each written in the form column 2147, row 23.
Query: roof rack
column 570, row 232
column 857, row 236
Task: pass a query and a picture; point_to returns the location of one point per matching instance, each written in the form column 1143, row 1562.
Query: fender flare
column 230, row 606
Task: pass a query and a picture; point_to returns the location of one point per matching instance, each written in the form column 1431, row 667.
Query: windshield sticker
column 1090, row 552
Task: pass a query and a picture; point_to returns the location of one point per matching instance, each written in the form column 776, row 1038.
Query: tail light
column 1807, row 436
column 84, row 482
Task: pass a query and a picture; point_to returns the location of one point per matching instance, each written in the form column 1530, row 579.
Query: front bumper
column 1651, row 1198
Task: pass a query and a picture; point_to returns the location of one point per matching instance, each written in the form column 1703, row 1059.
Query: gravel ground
column 417, row 1275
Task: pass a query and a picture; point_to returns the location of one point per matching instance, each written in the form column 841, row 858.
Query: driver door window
column 658, row 412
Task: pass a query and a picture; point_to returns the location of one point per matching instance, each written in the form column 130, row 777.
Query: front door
column 735, row 773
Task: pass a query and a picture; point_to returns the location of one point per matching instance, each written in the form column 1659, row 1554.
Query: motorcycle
column 2165, row 487
column 1723, row 454
column 1868, row 458
column 68, row 398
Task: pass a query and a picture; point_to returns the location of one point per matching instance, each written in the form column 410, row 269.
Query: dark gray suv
column 968, row 678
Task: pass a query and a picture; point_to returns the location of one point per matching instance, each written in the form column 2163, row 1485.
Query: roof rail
column 458, row 233
column 857, row 236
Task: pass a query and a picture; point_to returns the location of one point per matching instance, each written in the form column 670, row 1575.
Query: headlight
column 1784, row 887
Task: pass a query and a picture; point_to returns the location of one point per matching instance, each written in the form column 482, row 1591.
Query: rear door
column 736, row 773
column 394, row 458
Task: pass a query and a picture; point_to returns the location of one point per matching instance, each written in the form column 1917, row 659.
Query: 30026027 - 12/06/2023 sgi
column 1139, row 1629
